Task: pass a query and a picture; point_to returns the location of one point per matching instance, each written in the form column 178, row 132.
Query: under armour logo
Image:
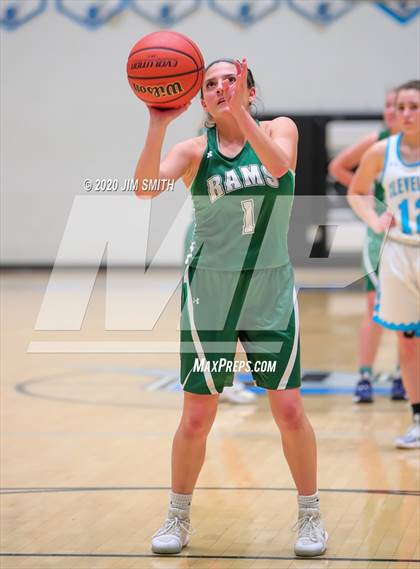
column 196, row 300
column 209, row 153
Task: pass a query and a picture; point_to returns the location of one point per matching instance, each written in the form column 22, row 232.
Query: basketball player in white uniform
column 397, row 162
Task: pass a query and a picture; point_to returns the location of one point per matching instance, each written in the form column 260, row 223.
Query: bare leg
column 409, row 351
column 188, row 451
column 189, row 445
column 298, row 438
column 299, row 447
column 370, row 334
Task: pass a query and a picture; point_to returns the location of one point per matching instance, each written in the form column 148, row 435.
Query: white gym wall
column 68, row 114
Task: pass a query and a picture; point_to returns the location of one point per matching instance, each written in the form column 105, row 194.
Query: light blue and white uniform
column 398, row 298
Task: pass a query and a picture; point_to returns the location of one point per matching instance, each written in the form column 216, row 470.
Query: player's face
column 213, row 100
column 389, row 110
column 408, row 111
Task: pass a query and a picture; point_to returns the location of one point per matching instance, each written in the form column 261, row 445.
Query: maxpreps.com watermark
column 236, row 366
column 114, row 185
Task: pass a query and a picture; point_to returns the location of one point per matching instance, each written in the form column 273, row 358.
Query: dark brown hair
column 250, row 82
column 414, row 84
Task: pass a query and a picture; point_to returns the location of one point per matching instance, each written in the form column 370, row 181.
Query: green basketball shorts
column 259, row 308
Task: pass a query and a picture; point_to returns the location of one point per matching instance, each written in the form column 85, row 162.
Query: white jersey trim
column 388, row 143
column 196, row 339
column 398, row 154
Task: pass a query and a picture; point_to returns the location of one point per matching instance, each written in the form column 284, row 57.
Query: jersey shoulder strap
column 211, row 139
column 390, row 155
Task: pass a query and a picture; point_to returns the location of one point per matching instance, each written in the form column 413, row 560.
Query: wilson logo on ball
column 160, row 90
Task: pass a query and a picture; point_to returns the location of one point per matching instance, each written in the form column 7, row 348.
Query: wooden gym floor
column 86, row 440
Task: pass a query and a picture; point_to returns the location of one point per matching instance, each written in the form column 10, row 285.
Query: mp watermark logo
column 117, row 232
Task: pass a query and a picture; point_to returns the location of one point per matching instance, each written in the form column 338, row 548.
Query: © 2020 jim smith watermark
column 128, row 185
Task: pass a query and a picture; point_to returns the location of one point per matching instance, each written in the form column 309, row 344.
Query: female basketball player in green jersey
column 342, row 169
column 238, row 285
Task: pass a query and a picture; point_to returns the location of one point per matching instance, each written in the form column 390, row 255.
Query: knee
column 196, row 425
column 291, row 415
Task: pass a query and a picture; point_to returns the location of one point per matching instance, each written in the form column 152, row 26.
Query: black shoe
column 397, row 390
column 363, row 392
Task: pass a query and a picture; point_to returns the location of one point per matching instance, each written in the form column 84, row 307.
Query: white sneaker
column 237, row 394
column 312, row 537
column 173, row 535
column 411, row 439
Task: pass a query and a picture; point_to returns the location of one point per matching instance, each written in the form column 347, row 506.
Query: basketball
column 165, row 69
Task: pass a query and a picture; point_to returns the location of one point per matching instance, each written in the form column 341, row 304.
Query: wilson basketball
column 165, row 69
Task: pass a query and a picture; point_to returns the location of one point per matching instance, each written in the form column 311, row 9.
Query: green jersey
column 241, row 211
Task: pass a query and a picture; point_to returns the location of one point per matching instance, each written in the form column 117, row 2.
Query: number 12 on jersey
column 405, row 222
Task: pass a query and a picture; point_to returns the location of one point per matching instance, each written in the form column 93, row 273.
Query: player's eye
column 210, row 84
column 232, row 78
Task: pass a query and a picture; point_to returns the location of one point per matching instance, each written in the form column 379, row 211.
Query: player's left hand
column 385, row 222
column 235, row 93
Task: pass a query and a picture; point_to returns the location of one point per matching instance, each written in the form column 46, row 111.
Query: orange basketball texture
column 165, row 69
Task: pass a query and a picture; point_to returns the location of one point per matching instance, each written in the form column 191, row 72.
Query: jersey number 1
column 249, row 219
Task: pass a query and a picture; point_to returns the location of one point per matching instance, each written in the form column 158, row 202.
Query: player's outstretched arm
column 149, row 166
column 358, row 194
column 341, row 167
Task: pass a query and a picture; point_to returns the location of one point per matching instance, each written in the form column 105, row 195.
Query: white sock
column 311, row 502
column 180, row 501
